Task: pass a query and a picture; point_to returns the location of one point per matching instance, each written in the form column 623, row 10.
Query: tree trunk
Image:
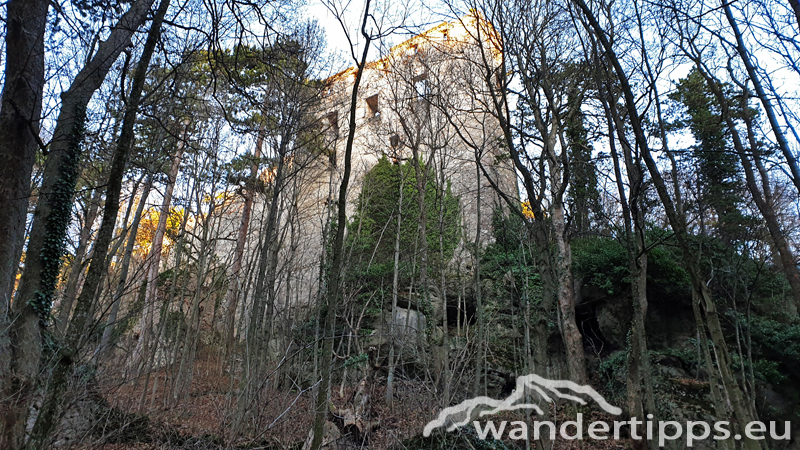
column 52, row 216
column 76, row 272
column 421, row 173
column 125, row 267
column 559, row 179
column 234, row 285
column 183, row 381
column 19, row 142
column 172, row 396
column 543, row 311
column 796, row 7
column 263, row 298
column 480, row 354
column 334, row 278
column 99, row 265
column 566, row 299
column 639, row 384
column 395, row 288
column 154, row 258
column 445, row 377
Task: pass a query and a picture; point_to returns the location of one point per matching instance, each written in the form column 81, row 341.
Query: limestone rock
column 330, row 435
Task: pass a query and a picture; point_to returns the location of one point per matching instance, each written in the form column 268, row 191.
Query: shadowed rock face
column 604, row 320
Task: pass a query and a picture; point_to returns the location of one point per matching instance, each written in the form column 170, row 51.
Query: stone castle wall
column 425, row 95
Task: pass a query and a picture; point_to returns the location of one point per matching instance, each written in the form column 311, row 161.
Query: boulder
column 330, row 436
column 409, row 321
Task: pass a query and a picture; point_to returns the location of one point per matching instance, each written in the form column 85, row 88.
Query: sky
column 387, row 15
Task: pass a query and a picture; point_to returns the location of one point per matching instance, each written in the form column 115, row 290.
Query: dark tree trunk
column 76, row 273
column 234, row 285
column 125, row 267
column 19, row 134
column 332, row 295
column 701, row 292
column 53, row 210
column 639, row 383
column 19, row 130
column 796, row 7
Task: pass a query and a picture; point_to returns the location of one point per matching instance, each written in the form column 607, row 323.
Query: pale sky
column 387, row 15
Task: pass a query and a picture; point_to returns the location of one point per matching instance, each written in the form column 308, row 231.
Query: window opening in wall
column 372, row 105
column 332, row 156
column 394, row 141
column 333, row 121
column 421, row 85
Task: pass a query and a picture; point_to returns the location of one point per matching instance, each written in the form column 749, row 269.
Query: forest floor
column 282, row 417
column 203, row 418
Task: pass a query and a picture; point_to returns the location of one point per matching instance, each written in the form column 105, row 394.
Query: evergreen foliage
column 584, row 197
column 373, row 226
column 719, row 171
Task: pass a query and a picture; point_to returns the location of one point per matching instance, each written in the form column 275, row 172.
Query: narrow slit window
column 421, row 85
column 372, row 105
column 333, row 121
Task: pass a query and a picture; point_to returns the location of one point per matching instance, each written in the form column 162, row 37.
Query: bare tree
column 99, row 266
column 53, row 211
column 333, row 282
column 706, row 310
column 19, row 137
